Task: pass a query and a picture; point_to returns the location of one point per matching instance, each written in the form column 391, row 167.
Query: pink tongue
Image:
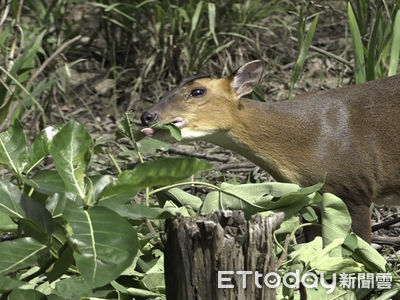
column 148, row 131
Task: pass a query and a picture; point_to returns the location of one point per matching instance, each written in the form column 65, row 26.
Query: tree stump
column 197, row 249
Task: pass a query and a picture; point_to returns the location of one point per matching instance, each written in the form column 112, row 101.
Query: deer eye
column 198, row 92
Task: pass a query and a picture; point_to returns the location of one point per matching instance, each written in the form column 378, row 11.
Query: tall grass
column 164, row 41
column 375, row 51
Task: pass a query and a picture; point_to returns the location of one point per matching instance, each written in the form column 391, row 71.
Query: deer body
column 351, row 134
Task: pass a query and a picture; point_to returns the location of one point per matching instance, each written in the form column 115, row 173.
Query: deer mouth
column 178, row 122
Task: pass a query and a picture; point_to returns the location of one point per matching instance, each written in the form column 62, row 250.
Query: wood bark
column 196, row 248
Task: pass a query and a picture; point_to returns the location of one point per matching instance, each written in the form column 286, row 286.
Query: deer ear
column 247, row 76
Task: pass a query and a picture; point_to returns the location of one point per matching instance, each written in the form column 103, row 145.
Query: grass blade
column 211, row 20
column 358, row 50
column 395, row 48
column 305, row 45
column 195, row 19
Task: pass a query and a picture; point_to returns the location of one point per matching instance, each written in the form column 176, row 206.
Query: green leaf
column 336, row 220
column 106, row 243
column 12, row 146
column 117, row 193
column 195, row 18
column 395, row 48
column 47, row 182
column 135, row 211
column 305, row 253
column 252, row 198
column 19, row 253
column 23, row 294
column 180, row 196
column 358, row 50
column 154, row 278
column 162, row 171
column 150, row 146
column 8, row 284
column 62, row 264
column 40, row 147
column 305, row 45
column 36, row 212
column 135, row 291
column 18, row 205
column 72, row 288
column 70, row 150
column 372, row 260
column 174, row 131
column 10, row 197
column 211, row 21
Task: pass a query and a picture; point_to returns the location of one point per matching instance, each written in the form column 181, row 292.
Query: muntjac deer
column 351, row 134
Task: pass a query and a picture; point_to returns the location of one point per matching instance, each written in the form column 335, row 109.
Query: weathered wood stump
column 197, row 249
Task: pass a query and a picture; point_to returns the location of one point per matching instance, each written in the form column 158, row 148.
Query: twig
column 324, row 52
column 5, row 11
column 51, row 58
column 387, row 240
column 284, row 252
column 198, row 155
column 385, row 224
column 234, row 166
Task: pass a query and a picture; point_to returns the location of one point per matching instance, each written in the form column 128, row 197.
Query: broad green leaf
column 72, row 288
column 174, row 131
column 40, row 147
column 19, row 253
column 10, row 197
column 70, row 150
column 337, row 265
column 336, row 220
column 180, row 196
column 252, row 198
column 117, row 193
column 372, row 260
column 162, row 171
column 47, row 182
column 305, row 253
column 154, row 278
column 358, row 50
column 12, row 146
column 146, row 294
column 99, row 183
column 135, row 211
column 106, row 243
column 23, row 294
column 8, row 284
column 37, row 213
column 395, row 48
column 18, row 205
column 150, row 146
column 6, row 224
column 61, row 265
column 56, row 204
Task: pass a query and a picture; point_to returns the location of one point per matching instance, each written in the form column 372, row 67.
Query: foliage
column 74, row 232
column 376, row 53
column 71, row 231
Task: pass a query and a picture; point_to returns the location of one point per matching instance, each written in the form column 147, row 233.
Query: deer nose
column 147, row 118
